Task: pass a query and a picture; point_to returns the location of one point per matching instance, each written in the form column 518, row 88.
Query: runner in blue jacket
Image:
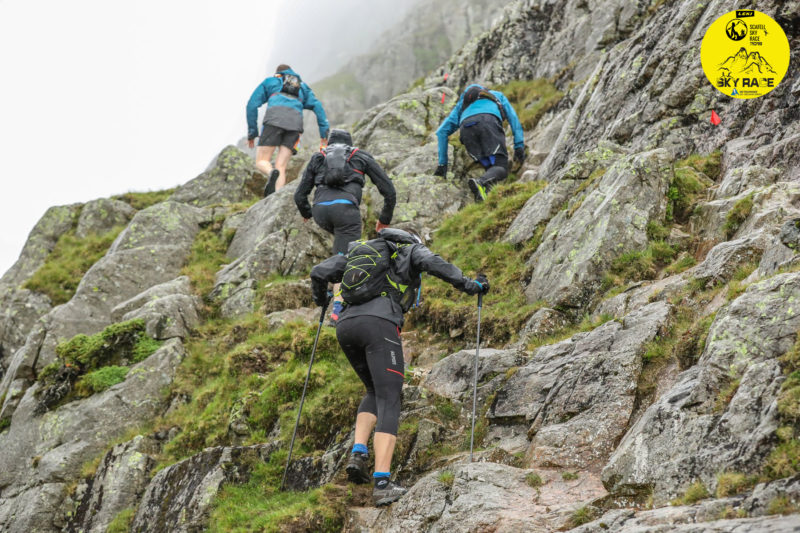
column 286, row 95
column 479, row 114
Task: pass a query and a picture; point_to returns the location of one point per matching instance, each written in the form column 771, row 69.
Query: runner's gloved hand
column 441, row 170
column 477, row 286
column 519, row 154
column 320, row 293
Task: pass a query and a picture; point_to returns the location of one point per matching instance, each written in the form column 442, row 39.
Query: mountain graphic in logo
column 744, row 63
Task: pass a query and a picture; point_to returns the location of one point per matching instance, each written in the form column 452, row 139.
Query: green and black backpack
column 372, row 271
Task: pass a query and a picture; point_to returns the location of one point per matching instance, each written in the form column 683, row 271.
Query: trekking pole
column 305, row 386
column 475, row 378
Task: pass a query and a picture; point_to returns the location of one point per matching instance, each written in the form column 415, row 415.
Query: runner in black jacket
column 369, row 334
column 336, row 208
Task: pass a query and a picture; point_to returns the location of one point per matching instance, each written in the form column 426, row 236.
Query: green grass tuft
column 582, row 515
column 531, row 99
column 569, row 476
column 71, row 258
column 732, row 483
column 534, row 480
column 122, row 522
column 100, row 380
column 207, row 257
column 737, row 215
column 470, row 239
column 446, row 478
column 696, row 492
column 143, row 200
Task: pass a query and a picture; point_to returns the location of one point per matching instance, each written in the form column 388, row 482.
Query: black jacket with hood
column 361, row 163
column 410, row 262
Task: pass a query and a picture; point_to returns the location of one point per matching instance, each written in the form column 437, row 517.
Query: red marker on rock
column 715, row 120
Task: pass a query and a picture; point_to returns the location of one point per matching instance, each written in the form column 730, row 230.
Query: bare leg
column 284, row 154
column 263, row 157
column 365, row 423
column 336, row 296
column 384, row 449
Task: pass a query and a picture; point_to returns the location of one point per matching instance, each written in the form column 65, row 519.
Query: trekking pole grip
column 324, row 309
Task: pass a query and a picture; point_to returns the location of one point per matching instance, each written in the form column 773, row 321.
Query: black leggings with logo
column 372, row 345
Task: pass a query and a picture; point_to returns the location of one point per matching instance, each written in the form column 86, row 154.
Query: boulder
column 452, row 376
column 692, row 431
column 231, row 179
column 99, row 216
column 578, row 395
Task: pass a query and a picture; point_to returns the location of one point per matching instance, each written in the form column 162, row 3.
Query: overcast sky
column 100, row 97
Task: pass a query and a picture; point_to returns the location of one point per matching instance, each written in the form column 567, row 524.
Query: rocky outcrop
column 41, row 454
column 99, row 216
column 423, row 40
column 577, row 396
column 179, row 498
column 481, row 497
column 581, row 242
column 117, row 485
column 231, row 179
column 150, row 251
column 692, row 432
column 169, row 310
column 271, row 239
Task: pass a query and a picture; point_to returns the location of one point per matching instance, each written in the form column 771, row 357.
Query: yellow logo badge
column 745, row 54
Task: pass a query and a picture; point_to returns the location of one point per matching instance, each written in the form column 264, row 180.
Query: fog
column 99, row 98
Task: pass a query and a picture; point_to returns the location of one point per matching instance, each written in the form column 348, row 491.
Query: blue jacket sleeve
column 257, row 99
column 446, row 129
column 513, row 121
column 310, row 102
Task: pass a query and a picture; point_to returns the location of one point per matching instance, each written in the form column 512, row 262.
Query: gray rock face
column 725, row 258
column 482, row 497
column 59, row 442
column 582, row 241
column 179, row 498
column 578, row 395
column 43, row 237
column 424, row 39
column 452, row 376
column 118, row 484
column 19, row 311
column 169, row 309
column 669, row 520
column 231, row 179
column 150, row 251
column 99, row 216
column 272, row 239
column 690, row 433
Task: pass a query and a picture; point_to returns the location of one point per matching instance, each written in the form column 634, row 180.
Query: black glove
column 477, row 286
column 320, row 294
column 519, row 154
column 441, row 170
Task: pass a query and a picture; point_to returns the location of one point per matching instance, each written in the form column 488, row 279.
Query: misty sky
column 101, row 97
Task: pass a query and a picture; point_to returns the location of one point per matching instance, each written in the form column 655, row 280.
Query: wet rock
column 452, row 376
column 117, row 485
column 233, row 178
column 692, row 431
column 578, row 395
column 482, row 496
column 179, row 498
column 581, row 242
column 100, row 216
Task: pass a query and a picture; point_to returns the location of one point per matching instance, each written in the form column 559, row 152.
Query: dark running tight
column 372, row 345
